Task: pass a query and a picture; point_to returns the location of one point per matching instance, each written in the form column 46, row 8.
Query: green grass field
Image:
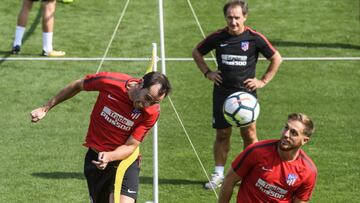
column 43, row 162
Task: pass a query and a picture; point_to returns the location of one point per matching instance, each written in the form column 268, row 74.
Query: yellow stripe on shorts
column 120, row 172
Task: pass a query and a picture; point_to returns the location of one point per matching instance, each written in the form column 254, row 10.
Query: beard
column 287, row 146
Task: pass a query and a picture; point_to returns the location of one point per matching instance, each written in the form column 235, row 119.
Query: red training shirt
column 114, row 118
column 267, row 178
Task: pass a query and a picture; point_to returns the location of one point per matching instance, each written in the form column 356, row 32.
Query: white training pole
column 162, row 41
column 155, row 141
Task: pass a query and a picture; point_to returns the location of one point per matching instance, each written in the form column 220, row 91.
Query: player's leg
column 24, row 13
column 222, row 141
column 222, row 146
column 99, row 182
column 21, row 24
column 123, row 199
column 248, row 134
column 48, row 7
column 130, row 184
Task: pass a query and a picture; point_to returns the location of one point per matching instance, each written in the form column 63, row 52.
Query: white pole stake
column 162, row 41
column 155, row 142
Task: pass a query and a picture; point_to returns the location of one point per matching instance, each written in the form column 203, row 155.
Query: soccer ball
column 241, row 109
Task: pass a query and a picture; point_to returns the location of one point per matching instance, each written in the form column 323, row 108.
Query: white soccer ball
column 241, row 109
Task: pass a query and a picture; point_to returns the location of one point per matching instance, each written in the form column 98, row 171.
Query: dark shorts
column 218, row 119
column 101, row 182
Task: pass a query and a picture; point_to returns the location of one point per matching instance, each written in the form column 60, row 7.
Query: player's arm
column 230, row 180
column 69, row 91
column 299, row 201
column 204, row 68
column 120, row 153
column 271, row 71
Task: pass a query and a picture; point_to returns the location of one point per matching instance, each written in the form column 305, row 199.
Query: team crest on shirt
column 291, row 178
column 135, row 114
column 245, row 45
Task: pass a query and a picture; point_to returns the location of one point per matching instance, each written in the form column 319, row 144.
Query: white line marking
column 169, row 59
column 201, row 30
column 113, row 35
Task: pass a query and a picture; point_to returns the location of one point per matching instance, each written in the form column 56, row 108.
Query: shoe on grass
column 215, row 181
column 53, row 53
column 16, row 49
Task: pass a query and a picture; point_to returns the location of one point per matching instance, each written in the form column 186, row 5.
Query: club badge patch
column 291, row 178
column 245, row 45
column 135, row 114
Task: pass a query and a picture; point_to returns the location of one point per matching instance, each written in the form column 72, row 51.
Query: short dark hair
column 305, row 120
column 241, row 3
column 153, row 78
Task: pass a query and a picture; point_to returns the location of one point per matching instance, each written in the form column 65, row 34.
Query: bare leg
column 248, row 134
column 222, row 146
column 48, row 15
column 123, row 199
column 24, row 13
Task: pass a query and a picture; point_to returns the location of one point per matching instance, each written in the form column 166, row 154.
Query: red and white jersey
column 267, row 178
column 114, row 118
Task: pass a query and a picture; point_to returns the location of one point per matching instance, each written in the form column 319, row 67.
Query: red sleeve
column 263, row 44
column 140, row 131
column 305, row 190
column 245, row 161
column 99, row 81
column 93, row 82
column 209, row 43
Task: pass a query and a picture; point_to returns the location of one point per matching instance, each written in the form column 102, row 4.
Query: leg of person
column 222, row 141
column 221, row 150
column 248, row 134
column 130, row 184
column 48, row 7
column 123, row 199
column 100, row 182
column 21, row 24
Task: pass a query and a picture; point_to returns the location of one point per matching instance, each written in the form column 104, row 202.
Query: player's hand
column 215, row 77
column 103, row 160
column 253, row 84
column 38, row 114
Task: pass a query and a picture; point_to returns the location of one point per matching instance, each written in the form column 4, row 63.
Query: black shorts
column 101, row 182
column 219, row 97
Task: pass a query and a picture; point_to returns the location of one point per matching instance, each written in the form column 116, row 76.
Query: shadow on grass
column 143, row 179
column 27, row 34
column 315, row 45
column 59, row 175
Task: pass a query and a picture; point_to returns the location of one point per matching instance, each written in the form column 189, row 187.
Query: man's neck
column 290, row 155
column 242, row 29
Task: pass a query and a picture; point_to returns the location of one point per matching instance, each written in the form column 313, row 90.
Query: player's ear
column 141, row 83
column 134, row 84
column 305, row 139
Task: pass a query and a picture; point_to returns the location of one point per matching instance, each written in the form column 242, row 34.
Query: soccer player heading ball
column 125, row 110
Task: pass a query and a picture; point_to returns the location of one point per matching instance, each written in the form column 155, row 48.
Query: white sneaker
column 215, row 182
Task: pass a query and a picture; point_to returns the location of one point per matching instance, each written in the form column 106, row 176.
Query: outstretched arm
column 227, row 188
column 299, row 201
column 69, row 91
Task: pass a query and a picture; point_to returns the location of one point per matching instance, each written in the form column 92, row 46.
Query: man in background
column 237, row 49
column 48, row 16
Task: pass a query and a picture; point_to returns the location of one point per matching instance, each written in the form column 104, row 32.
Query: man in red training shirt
column 125, row 110
column 275, row 170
